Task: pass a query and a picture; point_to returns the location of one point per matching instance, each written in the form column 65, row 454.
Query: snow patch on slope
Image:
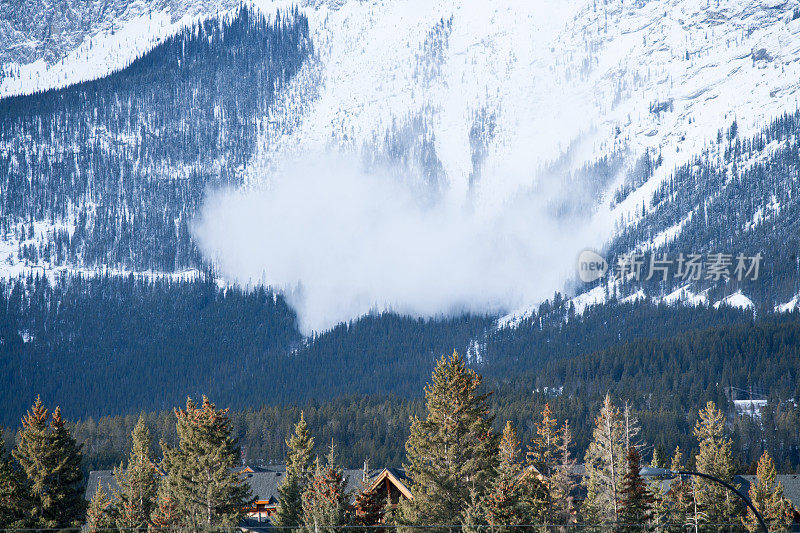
column 736, row 299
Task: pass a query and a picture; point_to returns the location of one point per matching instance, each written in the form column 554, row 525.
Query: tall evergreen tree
column 506, row 502
column 544, row 448
column 636, row 501
column 453, row 450
column 66, row 473
column 51, row 461
column 13, row 493
column 137, row 483
column 562, row 482
column 659, row 457
column 543, row 458
column 767, row 496
column 200, row 470
column 680, row 497
column 604, row 466
column 298, row 474
column 100, row 514
column 166, row 514
column 326, row 506
column 715, row 503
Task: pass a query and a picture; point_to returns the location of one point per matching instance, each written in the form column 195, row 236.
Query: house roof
column 790, row 482
column 396, row 476
column 263, row 481
column 98, row 478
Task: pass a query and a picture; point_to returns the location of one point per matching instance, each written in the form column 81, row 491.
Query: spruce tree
column 453, row 450
column 636, row 501
column 166, row 514
column 767, row 496
column 659, row 457
column 326, row 505
column 562, row 482
column 544, row 448
column 137, row 483
column 201, row 473
column 505, row 503
column 13, row 493
column 298, row 474
column 51, row 461
column 680, row 497
column 67, row 474
column 100, row 514
column 35, row 455
column 542, row 459
column 715, row 502
column 369, row 506
column 604, row 466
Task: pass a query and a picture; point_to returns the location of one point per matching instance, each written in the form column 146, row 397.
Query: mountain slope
column 109, row 173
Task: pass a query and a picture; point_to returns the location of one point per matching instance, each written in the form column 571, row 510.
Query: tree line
column 359, row 383
column 462, row 472
column 100, row 345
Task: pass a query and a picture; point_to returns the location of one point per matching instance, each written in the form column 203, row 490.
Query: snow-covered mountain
column 47, row 43
column 577, row 77
column 481, row 103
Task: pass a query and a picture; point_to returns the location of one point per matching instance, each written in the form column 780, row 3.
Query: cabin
column 264, row 483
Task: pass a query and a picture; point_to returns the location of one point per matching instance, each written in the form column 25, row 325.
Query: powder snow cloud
column 340, row 240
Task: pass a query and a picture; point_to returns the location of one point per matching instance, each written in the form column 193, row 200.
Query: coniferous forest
column 465, row 468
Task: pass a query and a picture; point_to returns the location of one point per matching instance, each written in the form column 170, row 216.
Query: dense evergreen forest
column 665, row 380
column 106, row 345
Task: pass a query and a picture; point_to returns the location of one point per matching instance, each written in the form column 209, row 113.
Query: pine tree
column 715, row 458
column 137, row 483
column 298, row 474
column 680, row 497
column 506, row 502
column 13, row 493
column 659, row 457
column 544, row 448
column 453, row 450
column 201, row 472
column 636, row 501
column 67, row 474
column 562, row 482
column 767, row 496
column 100, row 514
column 51, row 461
column 369, row 506
column 326, row 505
column 166, row 514
column 543, row 459
column 604, row 462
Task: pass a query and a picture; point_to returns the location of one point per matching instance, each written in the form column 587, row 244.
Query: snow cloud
column 341, row 241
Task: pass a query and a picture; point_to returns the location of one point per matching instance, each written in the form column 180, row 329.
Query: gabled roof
column 396, row 477
column 264, row 480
